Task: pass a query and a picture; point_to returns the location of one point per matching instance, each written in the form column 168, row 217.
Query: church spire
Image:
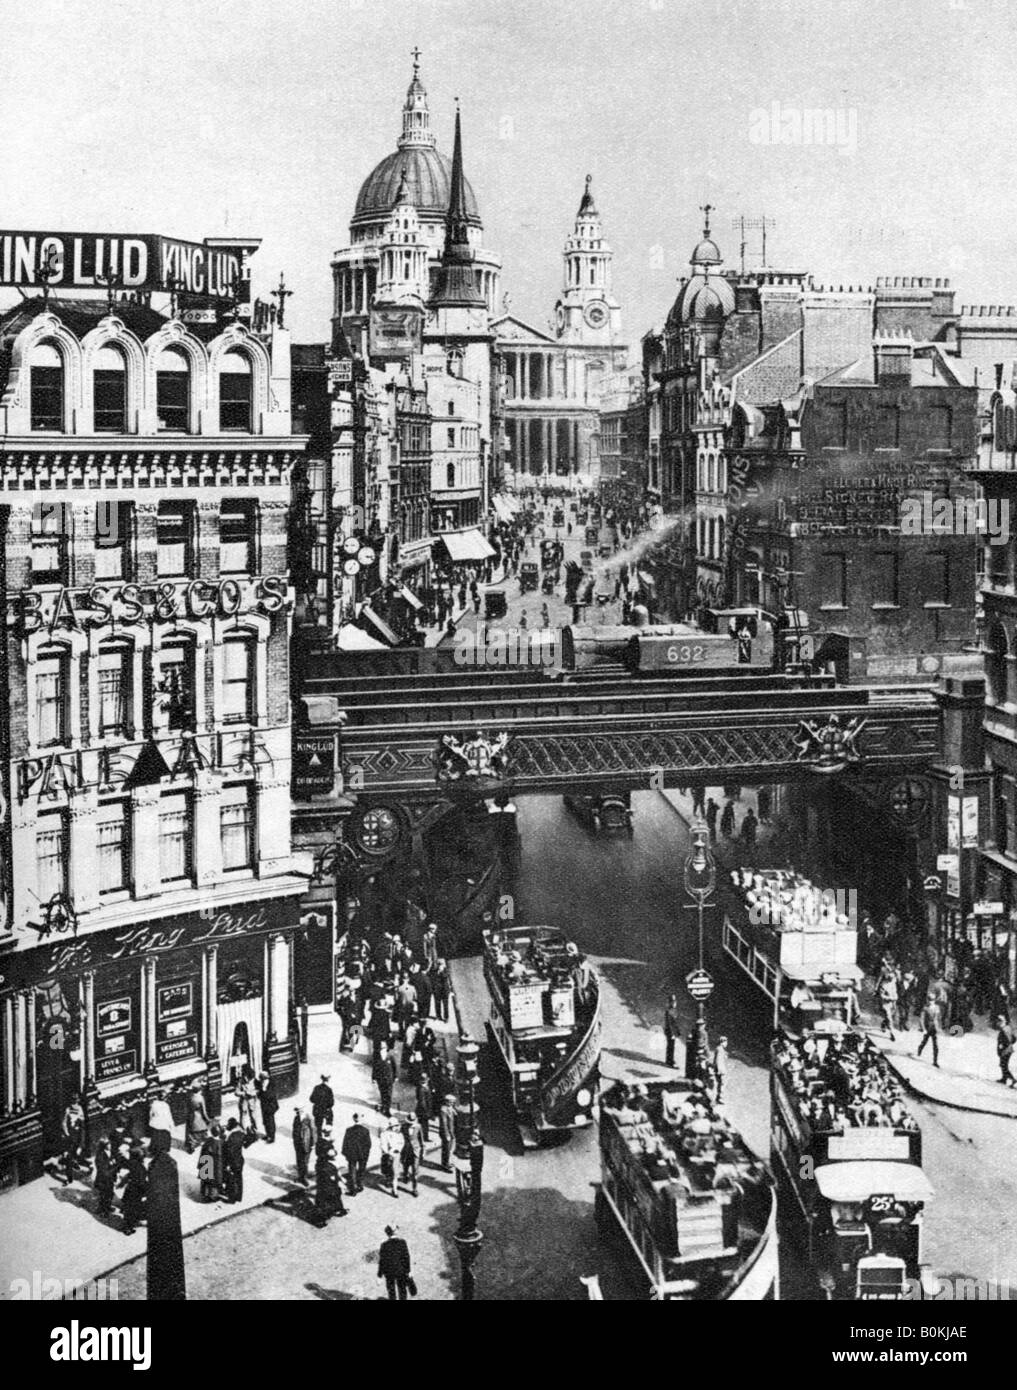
column 457, row 279
column 417, row 132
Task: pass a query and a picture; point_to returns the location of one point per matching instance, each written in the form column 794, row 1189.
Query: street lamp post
column 700, row 879
column 468, row 1161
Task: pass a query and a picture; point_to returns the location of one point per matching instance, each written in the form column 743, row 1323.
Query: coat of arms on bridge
column 833, row 748
column 478, row 764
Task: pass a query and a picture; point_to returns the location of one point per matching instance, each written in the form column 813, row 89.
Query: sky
column 197, row 118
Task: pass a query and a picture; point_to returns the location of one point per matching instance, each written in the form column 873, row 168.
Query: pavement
column 967, row 1075
column 53, row 1231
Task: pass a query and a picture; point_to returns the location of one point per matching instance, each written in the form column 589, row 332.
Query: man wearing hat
column 304, row 1139
column 197, row 1119
column 394, row 1264
column 356, row 1150
column 269, row 1102
column 322, row 1102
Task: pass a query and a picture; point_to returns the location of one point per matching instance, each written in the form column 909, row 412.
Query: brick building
column 150, row 897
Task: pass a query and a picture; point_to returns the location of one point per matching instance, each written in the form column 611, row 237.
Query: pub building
column 149, row 894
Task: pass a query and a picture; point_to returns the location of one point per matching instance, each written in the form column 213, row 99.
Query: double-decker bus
column 545, row 1019
column 847, row 1154
column 695, row 1208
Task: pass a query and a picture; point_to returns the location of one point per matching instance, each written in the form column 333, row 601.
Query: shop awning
column 408, row 596
column 380, row 626
column 501, row 511
column 467, row 545
column 857, row 1181
column 647, row 580
column 351, row 638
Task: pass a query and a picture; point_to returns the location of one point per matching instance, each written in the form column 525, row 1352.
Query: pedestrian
column 711, row 813
column 411, row 1155
column 750, row 827
column 764, row 801
column 545, row 615
column 210, row 1165
column 356, row 1149
column 233, row 1161
column 73, row 1126
column 384, row 1076
column 442, row 986
column 322, row 1103
column 476, row 602
column 932, row 1016
column 424, row 1110
column 1006, row 1040
column 727, row 820
column 524, row 621
column 447, row 1130
column 672, row 1029
column 394, row 1265
column 247, row 1096
column 304, row 1141
column 328, row 1192
column 720, row 1068
column 160, row 1123
column 197, row 1119
column 105, row 1177
column 424, row 986
column 888, row 995
column 391, row 1145
column 269, row 1103
column 132, row 1204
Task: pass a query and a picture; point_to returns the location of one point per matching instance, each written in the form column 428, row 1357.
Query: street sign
column 699, row 984
column 313, row 764
column 946, row 862
column 984, row 908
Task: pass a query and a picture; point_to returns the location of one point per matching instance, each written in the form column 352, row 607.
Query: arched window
column 451, row 407
column 109, row 385
column 173, row 390
column 995, row 663
column 176, row 684
column 238, row 676
column 235, row 394
column 450, row 475
column 46, row 387
column 114, row 690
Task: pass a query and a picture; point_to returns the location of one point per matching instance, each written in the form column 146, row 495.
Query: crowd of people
column 841, row 1081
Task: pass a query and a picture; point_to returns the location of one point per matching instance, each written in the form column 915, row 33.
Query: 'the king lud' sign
column 91, row 260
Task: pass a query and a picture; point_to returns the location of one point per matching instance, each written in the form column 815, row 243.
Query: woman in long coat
column 105, row 1176
column 247, row 1097
column 197, row 1118
column 133, row 1202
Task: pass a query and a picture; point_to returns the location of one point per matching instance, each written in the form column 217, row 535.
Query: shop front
column 116, row 1014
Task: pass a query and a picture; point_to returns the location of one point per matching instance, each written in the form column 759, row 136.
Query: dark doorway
column 312, row 961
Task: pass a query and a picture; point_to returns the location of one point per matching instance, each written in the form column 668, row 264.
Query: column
column 549, row 369
column 8, row 1078
column 210, row 974
column 148, row 1011
column 87, row 1028
column 549, row 445
column 21, row 1049
column 33, row 1079
column 145, row 841
column 84, row 855
column 278, row 999
column 524, row 358
column 207, row 830
column 517, row 368
column 575, row 446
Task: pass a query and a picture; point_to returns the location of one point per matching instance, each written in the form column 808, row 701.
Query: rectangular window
column 110, row 402
column 940, row 427
column 172, row 390
column 113, row 531
column 888, row 427
column 837, row 424
column 938, row 586
column 51, row 701
column 885, row 579
column 113, row 688
column 112, row 847
column 237, row 528
column 235, row 401
column 51, row 855
column 47, row 393
column 237, row 824
column 834, row 581
column 451, row 437
column 238, row 679
column 50, row 525
column 174, row 534
column 175, row 850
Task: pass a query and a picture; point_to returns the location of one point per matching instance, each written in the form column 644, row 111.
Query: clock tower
column 587, row 312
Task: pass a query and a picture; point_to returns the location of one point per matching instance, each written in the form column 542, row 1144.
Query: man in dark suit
column 672, row 1029
column 356, row 1150
column 322, row 1103
column 269, row 1102
column 394, row 1264
column 384, row 1079
column 447, row 1131
column 304, row 1140
column 233, row 1161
